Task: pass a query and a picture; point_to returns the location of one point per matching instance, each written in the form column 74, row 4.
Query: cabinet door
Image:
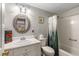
column 22, row 51
column 33, row 50
column 64, row 31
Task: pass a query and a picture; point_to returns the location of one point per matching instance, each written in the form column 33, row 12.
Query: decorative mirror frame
column 21, row 17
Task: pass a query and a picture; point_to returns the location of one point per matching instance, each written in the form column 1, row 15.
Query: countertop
column 19, row 43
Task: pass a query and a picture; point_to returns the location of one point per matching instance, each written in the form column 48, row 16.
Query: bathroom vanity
column 26, row 47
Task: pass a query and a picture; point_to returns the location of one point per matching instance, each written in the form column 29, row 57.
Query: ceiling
column 55, row 7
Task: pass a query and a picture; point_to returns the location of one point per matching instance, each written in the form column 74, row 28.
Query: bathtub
column 64, row 53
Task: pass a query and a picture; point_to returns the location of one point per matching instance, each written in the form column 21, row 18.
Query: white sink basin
column 22, row 42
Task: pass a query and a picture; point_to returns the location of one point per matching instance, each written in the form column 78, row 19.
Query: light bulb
column 28, row 11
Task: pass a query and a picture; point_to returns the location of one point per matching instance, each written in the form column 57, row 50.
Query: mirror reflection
column 21, row 23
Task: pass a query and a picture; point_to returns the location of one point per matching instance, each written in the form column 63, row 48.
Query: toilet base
column 47, row 51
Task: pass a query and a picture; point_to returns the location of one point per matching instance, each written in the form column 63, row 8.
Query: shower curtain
column 52, row 35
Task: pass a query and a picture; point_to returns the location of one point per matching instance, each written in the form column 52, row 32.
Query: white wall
column 11, row 10
column 68, row 27
column 71, row 12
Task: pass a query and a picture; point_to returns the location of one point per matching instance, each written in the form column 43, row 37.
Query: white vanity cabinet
column 10, row 52
column 27, row 47
column 31, row 50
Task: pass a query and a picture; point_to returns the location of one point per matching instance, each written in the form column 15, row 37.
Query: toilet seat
column 48, row 51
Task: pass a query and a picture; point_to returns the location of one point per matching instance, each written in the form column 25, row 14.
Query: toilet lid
column 48, row 49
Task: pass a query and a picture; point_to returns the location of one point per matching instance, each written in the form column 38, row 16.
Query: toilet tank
column 43, row 41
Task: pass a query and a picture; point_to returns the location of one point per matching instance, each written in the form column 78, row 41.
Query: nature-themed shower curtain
column 52, row 35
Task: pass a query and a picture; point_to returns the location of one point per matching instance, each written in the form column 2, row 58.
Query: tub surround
column 69, row 31
column 64, row 53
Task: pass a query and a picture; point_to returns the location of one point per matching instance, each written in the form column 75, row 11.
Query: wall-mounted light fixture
column 24, row 8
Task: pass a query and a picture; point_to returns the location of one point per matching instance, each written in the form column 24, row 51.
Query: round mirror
column 21, row 23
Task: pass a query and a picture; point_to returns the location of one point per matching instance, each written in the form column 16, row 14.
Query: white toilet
column 46, row 50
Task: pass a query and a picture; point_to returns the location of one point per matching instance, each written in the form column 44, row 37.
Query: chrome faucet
column 23, row 38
